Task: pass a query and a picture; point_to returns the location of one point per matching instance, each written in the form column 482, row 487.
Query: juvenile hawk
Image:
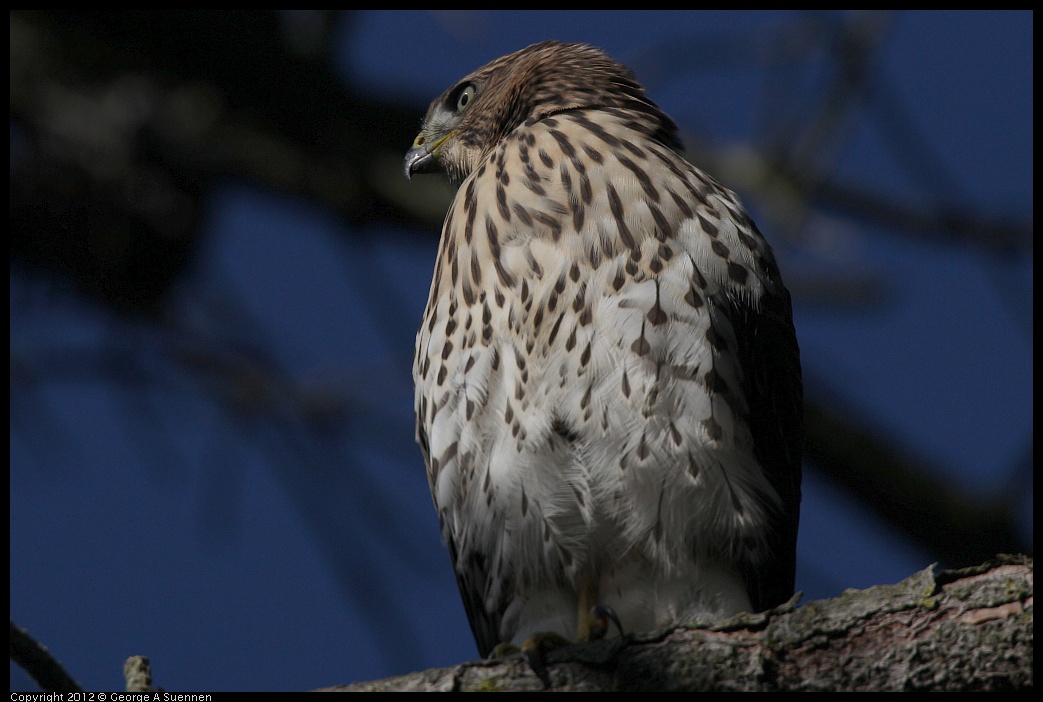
column 608, row 386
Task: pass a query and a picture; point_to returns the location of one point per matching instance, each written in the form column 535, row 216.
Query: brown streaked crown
column 529, row 85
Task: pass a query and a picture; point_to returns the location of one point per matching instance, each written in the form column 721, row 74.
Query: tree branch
column 39, row 663
column 967, row 629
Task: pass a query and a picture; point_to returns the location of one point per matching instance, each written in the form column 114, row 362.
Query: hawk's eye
column 464, row 96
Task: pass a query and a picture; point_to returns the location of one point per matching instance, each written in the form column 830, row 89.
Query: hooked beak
column 422, row 156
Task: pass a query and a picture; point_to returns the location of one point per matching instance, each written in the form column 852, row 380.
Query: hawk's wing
column 471, row 580
column 770, row 358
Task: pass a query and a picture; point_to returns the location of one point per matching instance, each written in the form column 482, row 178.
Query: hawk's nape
column 608, row 385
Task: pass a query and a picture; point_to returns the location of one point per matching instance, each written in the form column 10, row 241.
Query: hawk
column 608, row 386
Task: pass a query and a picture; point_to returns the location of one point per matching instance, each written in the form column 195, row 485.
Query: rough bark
column 968, row 629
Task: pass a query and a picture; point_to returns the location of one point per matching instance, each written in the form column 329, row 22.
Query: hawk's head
column 465, row 123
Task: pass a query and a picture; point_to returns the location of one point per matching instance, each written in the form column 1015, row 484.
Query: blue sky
column 241, row 553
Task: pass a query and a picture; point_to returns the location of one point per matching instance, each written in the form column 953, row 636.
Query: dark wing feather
column 770, row 358
column 472, row 579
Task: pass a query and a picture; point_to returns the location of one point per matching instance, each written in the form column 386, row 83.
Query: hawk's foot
column 594, row 625
column 535, row 649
